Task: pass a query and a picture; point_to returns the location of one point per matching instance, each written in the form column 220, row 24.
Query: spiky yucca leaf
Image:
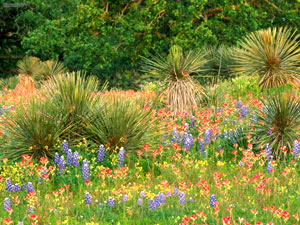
column 33, row 129
column 181, row 90
column 119, row 121
column 272, row 53
column 50, row 68
column 278, row 123
column 30, row 66
column 74, row 93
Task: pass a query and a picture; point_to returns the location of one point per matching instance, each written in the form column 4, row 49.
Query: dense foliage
column 107, row 38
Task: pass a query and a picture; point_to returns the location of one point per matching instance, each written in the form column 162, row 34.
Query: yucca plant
column 50, row 68
column 9, row 83
column 33, row 129
column 29, row 66
column 74, row 93
column 181, row 90
column 219, row 62
column 273, row 54
column 278, row 123
column 119, row 121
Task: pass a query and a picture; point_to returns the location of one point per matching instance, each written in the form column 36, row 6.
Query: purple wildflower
column 143, row 194
column 121, row 157
column 242, row 163
column 201, row 147
column 268, row 152
column 101, row 153
column 176, row 191
column 244, row 112
column 8, row 184
column 7, row 205
column 88, row 198
column 56, row 158
column 208, row 135
column 212, row 200
column 16, row 187
column 188, row 141
column 152, row 204
column 181, row 198
column 125, row 198
column 140, row 201
column 111, row 202
column 69, row 157
column 30, row 209
column 85, row 170
column 75, row 159
column 193, row 122
column 270, row 167
column 30, row 187
column 296, row 149
column 65, row 146
column 61, row 164
column 238, row 104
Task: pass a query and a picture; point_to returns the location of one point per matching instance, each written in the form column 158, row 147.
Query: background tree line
column 107, row 38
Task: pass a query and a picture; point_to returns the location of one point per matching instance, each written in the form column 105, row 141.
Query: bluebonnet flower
column 121, row 157
column 181, row 198
column 296, row 149
column 143, row 194
column 157, row 201
column 2, row 110
column 7, row 205
column 176, row 136
column 219, row 110
column 238, row 104
column 244, row 112
column 75, row 159
column 162, row 198
column 8, row 184
column 193, row 121
column 16, row 187
column 234, row 122
column 20, row 223
column 140, row 201
column 69, row 157
column 242, row 163
column 268, row 152
column 24, row 187
column 111, row 202
column 125, row 198
column 169, row 194
column 56, row 158
column 65, row 146
column 176, row 191
column 164, row 137
column 61, row 164
column 201, row 147
column 270, row 167
column 30, row 187
column 87, row 199
column 30, row 209
column 254, row 118
column 101, row 153
column 212, row 200
column 152, row 204
column 208, row 135
column 191, row 200
column 85, row 170
column 188, row 141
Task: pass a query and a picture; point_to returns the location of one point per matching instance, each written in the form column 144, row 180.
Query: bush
column 33, row 129
column 273, row 54
column 74, row 94
column 119, row 121
column 278, row 123
column 9, row 83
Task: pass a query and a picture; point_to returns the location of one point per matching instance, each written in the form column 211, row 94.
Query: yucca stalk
column 33, row 129
column 278, row 123
column 273, row 54
column 118, row 121
column 74, row 93
column 181, row 90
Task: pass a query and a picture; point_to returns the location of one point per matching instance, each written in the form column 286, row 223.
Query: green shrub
column 119, row 121
column 33, row 130
column 74, row 94
column 278, row 123
column 9, row 83
column 244, row 84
